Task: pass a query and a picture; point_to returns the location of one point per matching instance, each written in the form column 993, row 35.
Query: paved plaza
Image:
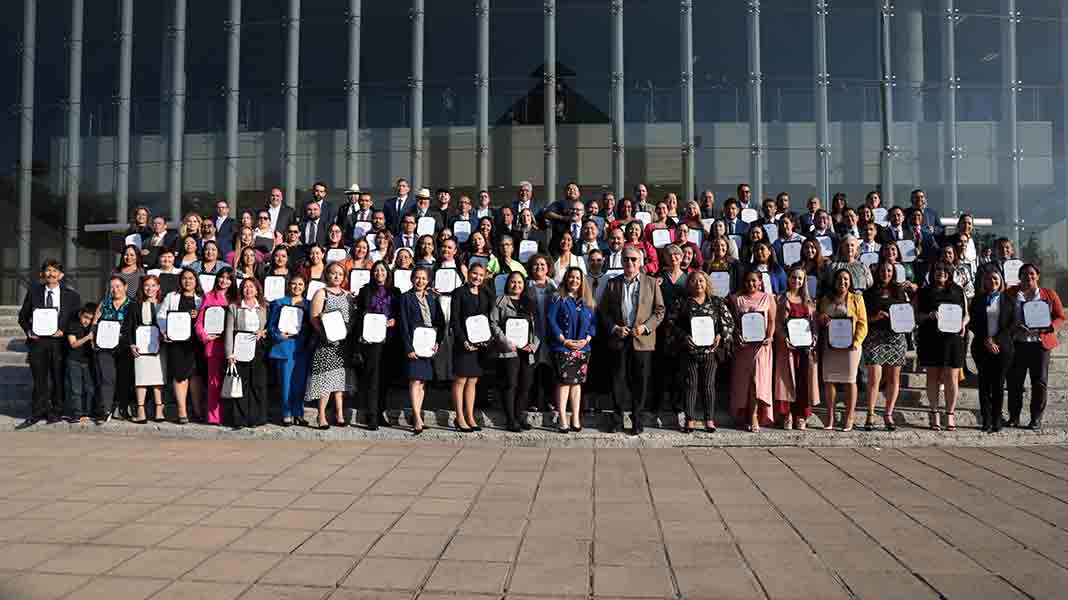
column 115, row 517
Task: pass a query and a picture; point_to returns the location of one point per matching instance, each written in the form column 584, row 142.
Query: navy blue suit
column 393, row 216
column 421, row 369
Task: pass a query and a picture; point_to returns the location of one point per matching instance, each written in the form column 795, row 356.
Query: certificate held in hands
column 1037, row 315
column 45, row 322
column 107, row 334
column 840, row 333
column 527, row 248
column 950, row 318
column 661, row 238
column 147, row 339
column 334, row 325
column 423, row 341
column 214, row 320
column 478, row 329
column 179, row 326
column 517, row 331
column 799, row 332
column 754, row 327
column 703, row 331
column 902, row 318
column 791, row 253
column 274, row 287
column 446, row 280
column 374, row 328
column 402, row 280
column 244, row 346
column 358, row 278
column 290, row 320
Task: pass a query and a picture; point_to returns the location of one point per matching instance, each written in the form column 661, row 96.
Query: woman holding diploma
column 380, row 298
column 246, row 323
column 751, row 373
column 763, row 260
column 330, row 374
column 359, row 259
column 113, row 360
column 884, row 348
column 1035, row 338
column 210, row 325
column 289, row 350
column 890, row 253
column 419, row 310
column 992, row 347
column 841, row 353
column 471, row 334
column 182, row 354
column 246, row 267
column 189, row 253
column 720, row 261
column 699, row 357
column 571, row 325
column 512, row 318
column 541, row 289
column 425, row 254
column 149, row 373
column 796, row 377
column 942, row 315
column 666, row 390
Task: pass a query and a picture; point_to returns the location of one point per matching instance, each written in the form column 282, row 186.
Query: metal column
column 174, row 179
column 619, row 167
column 233, row 98
column 823, row 79
column 416, row 84
column 74, row 136
column 549, row 104
column 1011, row 92
column 122, row 104
column 949, row 103
column 352, row 93
column 886, row 83
column 25, row 198
column 292, row 91
column 686, row 83
column 482, row 17
column 756, row 131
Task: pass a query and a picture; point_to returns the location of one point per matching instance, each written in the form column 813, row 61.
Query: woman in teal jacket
column 289, row 352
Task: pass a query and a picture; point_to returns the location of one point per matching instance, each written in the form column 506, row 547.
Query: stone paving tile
column 20, row 557
column 389, row 573
column 271, row 540
column 343, row 543
column 161, row 563
column 203, row 537
column 555, row 580
column 468, row 577
column 86, row 560
column 137, row 534
column 727, row 582
column 111, row 588
column 310, row 571
column 484, row 549
column 407, row 545
column 40, row 586
column 886, row 585
column 235, row 567
column 286, row 592
column 632, row 582
column 200, row 590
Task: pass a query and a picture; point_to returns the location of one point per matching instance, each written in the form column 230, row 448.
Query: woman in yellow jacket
column 845, row 322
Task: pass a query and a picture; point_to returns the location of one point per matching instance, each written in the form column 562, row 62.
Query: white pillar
column 292, row 88
column 122, row 150
column 352, row 93
column 233, row 99
column 174, row 179
column 74, row 137
column 25, row 197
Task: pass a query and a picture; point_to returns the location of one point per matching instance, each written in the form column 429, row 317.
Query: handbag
column 232, row 387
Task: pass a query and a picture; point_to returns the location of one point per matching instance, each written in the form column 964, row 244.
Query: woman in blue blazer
column 570, row 325
column 289, row 352
column 419, row 308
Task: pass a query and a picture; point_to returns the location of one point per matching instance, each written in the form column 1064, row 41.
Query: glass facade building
column 227, row 98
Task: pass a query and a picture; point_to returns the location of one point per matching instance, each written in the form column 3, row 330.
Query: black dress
column 935, row 348
column 183, row 357
column 465, row 304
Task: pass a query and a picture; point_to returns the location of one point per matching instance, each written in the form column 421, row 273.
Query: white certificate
column 907, row 249
column 1037, row 315
column 869, row 258
column 371, row 239
column 791, row 253
column 252, row 319
column 477, row 260
column 721, row 283
column 214, row 320
column 445, row 302
column 45, row 322
column 462, row 230
column 334, row 325
column 446, row 280
column 1011, row 269
column 749, row 215
column 902, row 318
column 644, row 216
column 274, row 287
column 358, row 278
column 107, row 334
column 661, row 238
column 134, row 239
column 207, row 281
column 374, row 328
column 812, row 284
column 517, row 331
column 290, row 320
column 799, row 332
column 360, row 229
column 402, row 279
column 610, row 273
column 426, row 226
column 826, row 245
column 899, row 273
column 765, row 279
column 147, row 339
column 499, row 282
column 336, row 255
column 737, row 239
column 313, row 287
column 771, row 230
column 423, row 341
column 880, row 215
column 840, row 332
column 703, row 331
column 695, row 236
column 179, row 325
column 527, row 248
column 754, row 327
column 244, row 346
column 707, row 224
column 478, row 329
column 950, row 318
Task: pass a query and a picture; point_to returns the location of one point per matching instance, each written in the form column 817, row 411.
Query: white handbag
column 231, row 384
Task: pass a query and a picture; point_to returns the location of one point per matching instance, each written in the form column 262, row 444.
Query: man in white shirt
column 224, row 225
column 281, row 215
column 745, row 196
column 398, row 206
column 614, row 255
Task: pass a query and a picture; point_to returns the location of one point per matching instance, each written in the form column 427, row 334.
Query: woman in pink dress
column 224, row 293
column 751, row 376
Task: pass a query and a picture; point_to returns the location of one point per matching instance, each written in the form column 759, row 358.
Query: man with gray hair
column 525, row 199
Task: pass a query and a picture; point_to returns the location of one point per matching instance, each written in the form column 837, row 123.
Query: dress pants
column 1028, row 358
column 375, row 369
column 46, row 367
column 81, row 388
column 216, row 370
column 630, row 380
column 514, row 374
column 250, row 410
column 292, row 375
column 700, row 382
column 992, row 370
column 114, row 371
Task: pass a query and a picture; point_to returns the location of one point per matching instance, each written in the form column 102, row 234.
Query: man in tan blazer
column 631, row 310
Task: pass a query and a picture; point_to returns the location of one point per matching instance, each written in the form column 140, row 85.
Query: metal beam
column 886, row 83
column 619, row 164
column 1012, row 90
column 174, row 179
column 482, row 90
column 122, row 105
column 756, row 127
column 953, row 151
column 823, row 79
column 686, row 84
column 549, row 104
column 352, row 94
column 292, row 92
column 416, row 84
column 74, row 136
column 25, row 197
column 233, row 98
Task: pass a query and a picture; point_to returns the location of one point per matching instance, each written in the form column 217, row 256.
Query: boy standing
column 81, row 383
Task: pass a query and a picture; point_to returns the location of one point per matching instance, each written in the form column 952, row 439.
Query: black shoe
column 995, row 428
column 577, row 429
column 301, row 421
column 323, row 427
column 27, row 423
column 236, row 428
column 514, row 427
column 1013, row 422
column 638, row 427
column 383, row 421
column 476, row 428
column 1035, row 424
column 525, row 426
column 456, row 424
column 564, row 430
column 612, row 428
column 183, row 420
column 417, row 431
column 372, row 427
column 53, row 420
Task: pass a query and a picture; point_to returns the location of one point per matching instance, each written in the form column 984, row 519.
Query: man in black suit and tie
column 398, row 206
column 422, row 209
column 525, row 200
column 327, row 210
column 160, row 239
column 224, row 225
column 281, row 215
column 358, row 209
column 47, row 352
column 313, row 229
column 407, row 238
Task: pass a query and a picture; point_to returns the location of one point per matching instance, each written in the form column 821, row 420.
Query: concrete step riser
column 1056, row 380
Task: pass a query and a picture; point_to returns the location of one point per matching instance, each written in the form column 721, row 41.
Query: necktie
column 400, row 204
column 312, row 227
column 575, row 230
column 49, row 302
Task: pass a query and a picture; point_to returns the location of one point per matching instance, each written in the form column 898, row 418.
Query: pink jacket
column 212, row 348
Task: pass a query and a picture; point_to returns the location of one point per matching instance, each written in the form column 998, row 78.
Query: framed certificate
column 426, row 226
column 517, row 331
column 207, row 281
column 423, row 341
column 214, row 320
column 869, row 258
column 402, row 279
column 695, row 236
column 374, row 328
column 707, row 224
column 791, row 253
column 826, row 245
column 1037, row 315
column 313, row 287
column 771, row 230
column 765, row 280
column 107, row 334
column 336, row 255
column 477, row 260
column 880, row 215
column 147, row 339
column 462, row 230
column 737, row 239
column 1011, row 268
column 45, row 322
column 527, row 248
column 360, row 229
column 274, row 287
column 799, row 332
column 358, row 278
column 644, row 216
column 661, row 238
column 950, row 318
column 334, row 325
column 840, row 333
column 907, row 249
column 721, row 283
column 754, row 327
column 478, row 329
column 446, row 280
column 179, row 325
column 245, row 346
column 902, row 317
column 899, row 273
column 290, row 320
column 499, row 282
column 371, row 238
column 703, row 331
column 749, row 215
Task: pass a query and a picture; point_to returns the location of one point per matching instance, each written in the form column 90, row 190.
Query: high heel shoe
column 159, row 411
column 456, row 424
column 888, row 423
column 142, row 420
column 868, row 423
column 951, row 421
column 933, row 421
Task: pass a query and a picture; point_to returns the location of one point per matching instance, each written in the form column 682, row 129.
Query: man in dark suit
column 735, row 224
column 525, row 199
column 313, row 228
column 422, row 209
column 281, row 215
column 441, row 212
column 157, row 241
column 398, row 206
column 327, row 210
column 224, row 224
column 806, row 220
column 632, row 308
column 358, row 209
column 47, row 352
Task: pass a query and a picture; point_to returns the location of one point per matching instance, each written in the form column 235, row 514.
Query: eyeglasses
column 630, row 258
column 264, row 218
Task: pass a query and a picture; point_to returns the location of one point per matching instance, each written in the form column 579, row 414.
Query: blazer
column 226, row 232
column 237, row 320
column 569, row 318
column 282, row 348
column 70, row 302
column 393, row 216
column 151, row 259
column 211, row 347
column 328, row 212
column 286, row 215
column 1007, row 322
column 740, row 227
column 434, row 213
column 857, row 311
column 650, row 312
column 503, row 309
column 347, row 217
column 411, row 317
column 322, row 231
column 1049, row 338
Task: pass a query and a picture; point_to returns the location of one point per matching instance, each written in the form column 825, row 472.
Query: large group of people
column 775, row 311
